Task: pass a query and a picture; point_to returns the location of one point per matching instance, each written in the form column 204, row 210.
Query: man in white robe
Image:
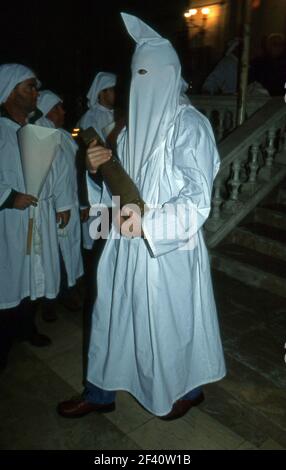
column 155, row 332
column 51, row 106
column 100, row 116
column 23, row 277
column 101, row 100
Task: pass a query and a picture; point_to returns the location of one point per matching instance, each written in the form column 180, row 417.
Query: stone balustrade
column 221, row 110
column 253, row 162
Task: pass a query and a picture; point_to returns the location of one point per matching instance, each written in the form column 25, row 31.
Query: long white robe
column 36, row 275
column 70, row 236
column 155, row 331
column 98, row 117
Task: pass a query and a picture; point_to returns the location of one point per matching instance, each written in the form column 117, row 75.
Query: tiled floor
column 246, row 410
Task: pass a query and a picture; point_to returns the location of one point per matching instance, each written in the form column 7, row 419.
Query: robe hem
column 161, row 413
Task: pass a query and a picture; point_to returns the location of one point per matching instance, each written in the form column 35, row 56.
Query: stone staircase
column 255, row 251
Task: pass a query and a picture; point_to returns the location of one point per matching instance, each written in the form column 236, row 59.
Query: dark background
column 66, row 43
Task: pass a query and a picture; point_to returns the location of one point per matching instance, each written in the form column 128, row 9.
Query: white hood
column 102, row 81
column 47, row 100
column 10, row 76
column 154, row 96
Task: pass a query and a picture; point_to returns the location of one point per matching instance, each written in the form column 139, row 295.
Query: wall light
column 190, row 13
column 206, row 11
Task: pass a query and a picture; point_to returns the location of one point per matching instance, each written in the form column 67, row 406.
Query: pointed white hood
column 154, row 93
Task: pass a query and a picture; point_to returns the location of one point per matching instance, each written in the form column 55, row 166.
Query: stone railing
column 253, row 162
column 221, row 110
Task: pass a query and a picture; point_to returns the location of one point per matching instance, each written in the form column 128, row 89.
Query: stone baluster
column 220, row 130
column 270, row 150
column 208, row 114
column 281, row 151
column 233, row 203
column 215, row 219
column 250, row 185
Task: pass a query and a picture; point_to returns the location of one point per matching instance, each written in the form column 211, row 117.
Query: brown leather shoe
column 78, row 407
column 181, row 407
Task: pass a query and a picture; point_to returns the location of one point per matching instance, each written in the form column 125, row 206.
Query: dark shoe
column 181, row 407
column 78, row 407
column 71, row 299
column 39, row 341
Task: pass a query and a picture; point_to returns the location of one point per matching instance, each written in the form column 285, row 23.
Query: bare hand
column 22, row 201
column 96, row 155
column 84, row 214
column 63, row 218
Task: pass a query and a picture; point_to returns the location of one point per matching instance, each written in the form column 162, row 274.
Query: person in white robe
column 100, row 116
column 24, row 277
column 51, row 106
column 101, row 99
column 155, row 332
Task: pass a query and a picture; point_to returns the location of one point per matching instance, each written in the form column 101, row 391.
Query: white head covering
column 10, row 76
column 47, row 100
column 154, row 96
column 102, row 81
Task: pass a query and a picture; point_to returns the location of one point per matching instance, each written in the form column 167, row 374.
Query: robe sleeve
column 97, row 191
column 64, row 184
column 9, row 202
column 195, row 165
column 5, row 192
column 5, row 189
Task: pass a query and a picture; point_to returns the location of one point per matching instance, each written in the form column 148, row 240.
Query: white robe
column 98, row 117
column 155, row 331
column 70, row 236
column 36, row 275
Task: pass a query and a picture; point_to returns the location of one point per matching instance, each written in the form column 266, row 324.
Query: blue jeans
column 94, row 394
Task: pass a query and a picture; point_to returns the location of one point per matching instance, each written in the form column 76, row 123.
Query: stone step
column 273, row 214
column 281, row 208
column 251, row 267
column 262, row 238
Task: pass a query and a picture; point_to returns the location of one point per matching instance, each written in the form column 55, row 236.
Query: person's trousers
column 16, row 323
column 94, row 394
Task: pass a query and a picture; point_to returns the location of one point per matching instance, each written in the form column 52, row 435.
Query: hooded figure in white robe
column 155, row 332
column 38, row 274
column 70, row 236
column 97, row 115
